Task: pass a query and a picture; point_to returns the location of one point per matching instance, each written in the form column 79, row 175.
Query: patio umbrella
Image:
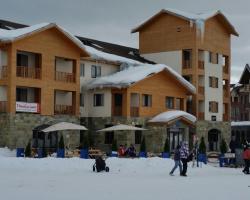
column 121, row 127
column 64, row 126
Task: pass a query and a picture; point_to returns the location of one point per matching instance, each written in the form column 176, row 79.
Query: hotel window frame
column 146, row 100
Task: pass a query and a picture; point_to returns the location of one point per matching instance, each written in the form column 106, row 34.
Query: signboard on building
column 27, row 107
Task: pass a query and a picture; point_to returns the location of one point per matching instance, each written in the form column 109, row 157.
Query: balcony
column 3, row 106
column 247, row 88
column 134, row 111
column 65, row 77
column 225, row 69
column 3, row 72
column 225, row 93
column 201, row 115
column 64, row 110
column 187, row 64
column 201, row 64
column 201, row 90
column 28, row 72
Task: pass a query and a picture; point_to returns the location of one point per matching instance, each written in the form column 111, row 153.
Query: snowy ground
column 146, row 179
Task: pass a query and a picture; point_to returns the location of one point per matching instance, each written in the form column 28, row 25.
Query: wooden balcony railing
column 201, row 90
column 247, row 88
column 201, row 116
column 134, row 111
column 117, row 111
column 65, row 77
column 64, row 110
column 225, row 69
column 201, row 64
column 3, row 106
column 225, row 93
column 3, row 72
column 28, row 72
column 187, row 64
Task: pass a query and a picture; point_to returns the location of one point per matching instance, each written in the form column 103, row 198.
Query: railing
column 65, row 77
column 134, row 111
column 201, row 64
column 28, row 72
column 247, row 88
column 225, row 69
column 201, row 116
column 63, row 110
column 3, row 72
column 187, row 64
column 225, row 93
column 117, row 111
column 201, row 90
column 3, row 106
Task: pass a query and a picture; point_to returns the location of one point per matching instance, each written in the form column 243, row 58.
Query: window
column 210, row 57
column 188, row 78
column 213, row 106
column 216, row 58
column 81, row 99
column 109, row 136
column 213, row 118
column 22, row 60
column 98, row 99
column 146, row 100
column 170, row 102
column 82, row 69
column 138, row 135
column 21, row 94
column 213, row 82
column 179, row 104
column 95, row 71
column 187, row 58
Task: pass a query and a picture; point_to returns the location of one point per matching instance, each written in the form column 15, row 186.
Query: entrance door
column 175, row 137
column 117, row 104
column 213, row 139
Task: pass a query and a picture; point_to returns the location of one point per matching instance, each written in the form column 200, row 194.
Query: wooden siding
column 49, row 43
column 159, row 86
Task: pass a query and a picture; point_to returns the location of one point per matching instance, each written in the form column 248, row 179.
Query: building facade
column 39, row 80
column 199, row 48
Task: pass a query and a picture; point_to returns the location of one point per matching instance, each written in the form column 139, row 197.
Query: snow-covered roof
column 172, row 115
column 12, row 35
column 197, row 18
column 241, row 123
column 236, row 85
column 100, row 55
column 132, row 75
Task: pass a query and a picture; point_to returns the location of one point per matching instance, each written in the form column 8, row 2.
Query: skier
column 184, row 153
column 177, row 160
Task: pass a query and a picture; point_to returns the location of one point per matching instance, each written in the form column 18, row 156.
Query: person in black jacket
column 177, row 160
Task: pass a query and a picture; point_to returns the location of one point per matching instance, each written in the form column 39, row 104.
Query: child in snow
column 177, row 160
column 184, row 153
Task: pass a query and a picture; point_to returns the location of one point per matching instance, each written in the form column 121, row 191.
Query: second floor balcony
column 3, row 106
column 65, row 77
column 3, row 72
column 28, row 72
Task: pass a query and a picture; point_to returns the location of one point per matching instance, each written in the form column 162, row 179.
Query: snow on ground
column 128, row 179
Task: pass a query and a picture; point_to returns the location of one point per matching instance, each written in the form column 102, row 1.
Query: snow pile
column 99, row 55
column 241, row 123
column 5, row 152
column 171, row 115
column 146, row 179
column 132, row 75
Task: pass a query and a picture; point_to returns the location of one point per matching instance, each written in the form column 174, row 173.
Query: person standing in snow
column 184, row 153
column 177, row 160
column 246, row 157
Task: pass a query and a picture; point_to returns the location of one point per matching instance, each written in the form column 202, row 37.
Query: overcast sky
column 112, row 20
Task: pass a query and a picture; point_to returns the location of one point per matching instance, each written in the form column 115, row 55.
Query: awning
column 61, row 126
column 122, row 127
column 170, row 117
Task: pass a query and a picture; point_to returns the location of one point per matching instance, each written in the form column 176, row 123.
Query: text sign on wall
column 27, row 107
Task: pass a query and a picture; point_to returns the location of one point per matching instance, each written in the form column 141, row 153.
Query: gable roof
column 132, row 75
column 9, row 36
column 245, row 76
column 191, row 17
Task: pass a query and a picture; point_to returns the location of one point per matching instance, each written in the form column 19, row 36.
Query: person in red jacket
column 246, row 157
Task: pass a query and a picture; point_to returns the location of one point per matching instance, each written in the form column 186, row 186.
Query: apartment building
column 240, row 108
column 197, row 46
column 39, row 80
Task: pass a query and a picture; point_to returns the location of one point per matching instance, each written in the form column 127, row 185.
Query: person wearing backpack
column 177, row 160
